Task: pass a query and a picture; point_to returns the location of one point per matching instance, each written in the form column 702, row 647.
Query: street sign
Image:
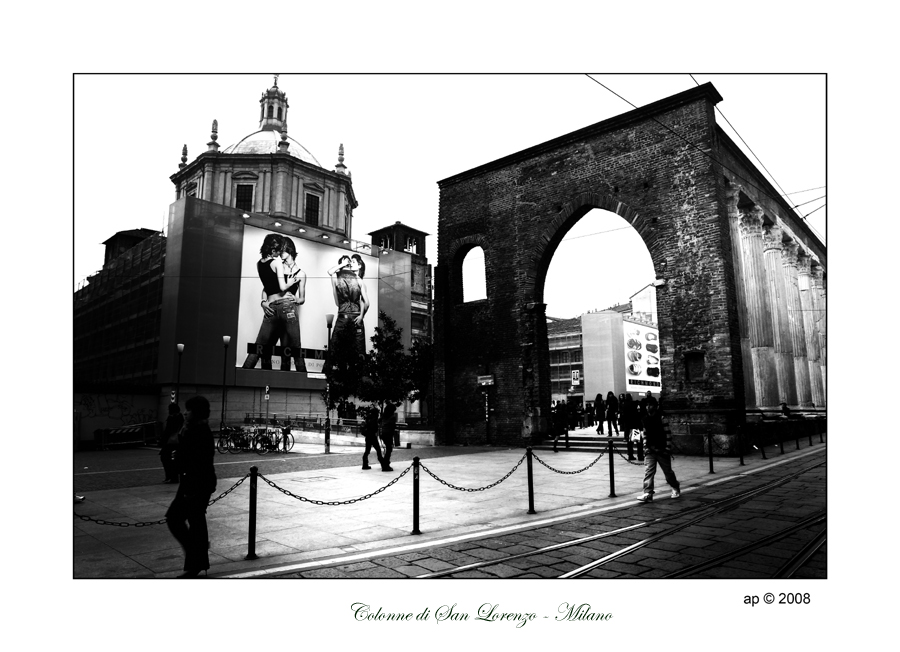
column 576, row 376
column 485, row 380
column 267, row 392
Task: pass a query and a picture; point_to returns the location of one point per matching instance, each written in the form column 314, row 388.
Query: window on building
column 695, row 365
column 279, row 113
column 312, row 209
column 271, row 109
column 474, row 281
column 384, row 242
column 412, row 245
column 243, row 197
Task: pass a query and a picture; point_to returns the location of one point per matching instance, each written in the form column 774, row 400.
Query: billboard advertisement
column 288, row 286
column 642, row 370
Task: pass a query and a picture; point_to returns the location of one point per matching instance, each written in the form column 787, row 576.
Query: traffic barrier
column 415, row 529
column 530, row 455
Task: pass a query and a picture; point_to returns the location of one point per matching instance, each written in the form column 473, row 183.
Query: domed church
column 269, row 172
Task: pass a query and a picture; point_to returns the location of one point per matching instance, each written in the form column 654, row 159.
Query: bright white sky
column 404, row 133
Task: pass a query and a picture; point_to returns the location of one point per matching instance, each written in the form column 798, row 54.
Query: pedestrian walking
column 388, row 434
column 657, row 450
column 169, row 440
column 560, row 424
column 612, row 411
column 589, row 415
column 599, row 410
column 621, row 406
column 370, row 432
column 186, row 516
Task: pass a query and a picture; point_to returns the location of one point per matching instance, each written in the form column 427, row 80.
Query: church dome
column 266, row 142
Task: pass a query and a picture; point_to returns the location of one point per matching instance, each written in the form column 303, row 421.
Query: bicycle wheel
column 222, row 443
column 287, row 442
column 234, row 442
column 261, row 444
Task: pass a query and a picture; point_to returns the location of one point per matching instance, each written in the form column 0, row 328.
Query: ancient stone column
column 280, row 193
column 778, row 305
column 810, row 329
column 759, row 317
column 795, row 321
column 732, row 194
column 818, row 278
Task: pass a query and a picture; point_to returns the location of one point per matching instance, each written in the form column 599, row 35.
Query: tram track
column 706, row 511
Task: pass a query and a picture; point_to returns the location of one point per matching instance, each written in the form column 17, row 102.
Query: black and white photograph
column 366, row 323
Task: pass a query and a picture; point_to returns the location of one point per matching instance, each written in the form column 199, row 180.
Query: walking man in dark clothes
column 657, row 451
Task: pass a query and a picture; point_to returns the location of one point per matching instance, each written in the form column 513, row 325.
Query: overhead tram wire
column 695, row 146
column 797, row 192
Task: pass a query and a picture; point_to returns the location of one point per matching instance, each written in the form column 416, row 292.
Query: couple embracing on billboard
column 284, row 291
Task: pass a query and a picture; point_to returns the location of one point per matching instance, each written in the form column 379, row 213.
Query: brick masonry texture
column 518, row 210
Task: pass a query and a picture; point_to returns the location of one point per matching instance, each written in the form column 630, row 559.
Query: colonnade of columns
column 781, row 311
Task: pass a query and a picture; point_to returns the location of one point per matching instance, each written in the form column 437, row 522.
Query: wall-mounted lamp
column 301, row 230
column 277, row 223
column 246, row 216
column 324, row 237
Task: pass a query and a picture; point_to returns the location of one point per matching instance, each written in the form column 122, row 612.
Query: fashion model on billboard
column 284, row 290
column 352, row 301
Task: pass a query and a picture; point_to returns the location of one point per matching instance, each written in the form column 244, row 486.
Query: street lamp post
column 329, row 321
column 180, row 348
column 226, row 340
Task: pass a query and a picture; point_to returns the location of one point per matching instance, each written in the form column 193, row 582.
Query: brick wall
column 519, row 208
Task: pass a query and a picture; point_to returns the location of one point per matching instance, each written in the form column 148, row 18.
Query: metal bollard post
column 780, row 439
column 528, row 455
column 821, row 441
column 809, row 432
column 612, row 472
column 415, row 529
column 797, row 436
column 740, row 435
column 709, row 435
column 251, row 544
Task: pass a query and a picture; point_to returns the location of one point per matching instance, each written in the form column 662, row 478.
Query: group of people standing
column 284, row 291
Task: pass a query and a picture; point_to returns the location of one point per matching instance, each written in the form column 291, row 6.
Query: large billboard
column 642, row 369
column 284, row 300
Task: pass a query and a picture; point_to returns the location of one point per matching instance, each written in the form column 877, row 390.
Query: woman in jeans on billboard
column 352, row 300
column 280, row 313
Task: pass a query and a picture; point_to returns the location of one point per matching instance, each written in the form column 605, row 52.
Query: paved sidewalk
column 290, row 531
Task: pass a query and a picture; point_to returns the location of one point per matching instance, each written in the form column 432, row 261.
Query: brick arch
column 520, row 207
column 557, row 227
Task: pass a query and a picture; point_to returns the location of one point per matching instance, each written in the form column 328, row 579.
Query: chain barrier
column 490, row 486
column 100, row 521
column 632, row 462
column 162, row 521
column 228, row 491
column 334, row 502
column 568, row 472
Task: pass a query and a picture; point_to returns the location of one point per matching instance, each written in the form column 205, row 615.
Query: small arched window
column 279, row 113
column 271, row 110
column 473, row 276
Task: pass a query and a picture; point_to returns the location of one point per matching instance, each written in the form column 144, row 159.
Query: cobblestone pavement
column 762, row 515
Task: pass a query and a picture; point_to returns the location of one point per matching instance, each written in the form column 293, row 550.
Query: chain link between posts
column 100, row 521
column 334, row 502
column 535, row 456
column 494, row 484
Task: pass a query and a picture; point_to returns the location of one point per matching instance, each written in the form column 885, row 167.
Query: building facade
column 180, row 313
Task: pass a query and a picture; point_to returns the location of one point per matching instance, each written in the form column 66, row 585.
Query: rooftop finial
column 284, row 144
column 276, row 81
column 183, row 163
column 340, row 168
column 212, row 144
